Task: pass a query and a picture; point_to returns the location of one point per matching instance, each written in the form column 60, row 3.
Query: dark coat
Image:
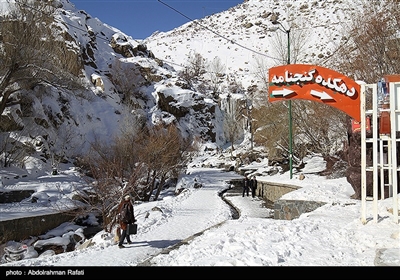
column 246, row 183
column 253, row 184
column 131, row 218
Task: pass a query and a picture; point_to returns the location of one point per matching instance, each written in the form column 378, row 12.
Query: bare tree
column 30, row 54
column 113, row 171
column 234, row 119
column 105, row 189
column 194, row 69
column 15, row 147
column 316, row 128
column 261, row 71
column 298, row 37
column 164, row 154
column 370, row 47
column 138, row 162
column 216, row 73
column 320, row 128
column 271, row 121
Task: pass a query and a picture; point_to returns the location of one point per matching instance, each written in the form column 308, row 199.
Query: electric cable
column 205, row 27
column 169, row 62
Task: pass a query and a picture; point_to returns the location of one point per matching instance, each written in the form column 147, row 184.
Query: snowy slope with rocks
column 77, row 118
column 241, row 38
column 245, row 34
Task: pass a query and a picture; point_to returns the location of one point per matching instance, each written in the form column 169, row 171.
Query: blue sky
column 140, row 18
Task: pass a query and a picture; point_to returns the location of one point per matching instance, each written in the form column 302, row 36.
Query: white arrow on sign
column 322, row 95
column 282, row 92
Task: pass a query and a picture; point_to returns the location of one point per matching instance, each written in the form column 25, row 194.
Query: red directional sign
column 315, row 83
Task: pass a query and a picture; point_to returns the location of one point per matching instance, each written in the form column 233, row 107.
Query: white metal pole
column 381, row 166
column 363, row 156
column 390, row 167
column 375, row 151
column 394, row 92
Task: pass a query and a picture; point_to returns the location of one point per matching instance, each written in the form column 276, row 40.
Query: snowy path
column 194, row 210
column 331, row 235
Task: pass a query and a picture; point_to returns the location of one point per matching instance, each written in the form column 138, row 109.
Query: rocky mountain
column 123, row 82
column 248, row 33
column 129, row 81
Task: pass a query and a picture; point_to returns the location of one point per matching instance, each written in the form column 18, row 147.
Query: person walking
column 126, row 216
column 246, row 186
column 253, row 186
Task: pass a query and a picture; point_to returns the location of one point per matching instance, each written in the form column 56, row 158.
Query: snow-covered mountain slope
column 116, row 67
column 246, row 34
column 122, row 82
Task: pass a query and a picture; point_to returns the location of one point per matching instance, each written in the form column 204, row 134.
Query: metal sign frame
column 320, row 84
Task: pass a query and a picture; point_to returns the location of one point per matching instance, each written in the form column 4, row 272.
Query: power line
column 78, row 28
column 205, row 27
column 169, row 62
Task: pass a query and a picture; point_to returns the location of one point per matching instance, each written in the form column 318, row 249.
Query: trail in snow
column 196, row 208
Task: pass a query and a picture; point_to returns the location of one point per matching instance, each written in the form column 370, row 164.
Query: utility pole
column 287, row 31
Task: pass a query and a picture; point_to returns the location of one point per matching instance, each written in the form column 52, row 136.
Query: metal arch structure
column 320, row 84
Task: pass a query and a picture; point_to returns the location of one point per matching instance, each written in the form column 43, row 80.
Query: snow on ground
column 201, row 223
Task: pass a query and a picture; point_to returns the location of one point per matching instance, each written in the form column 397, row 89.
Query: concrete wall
column 285, row 209
column 292, row 209
column 23, row 228
column 15, row 195
column 273, row 191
